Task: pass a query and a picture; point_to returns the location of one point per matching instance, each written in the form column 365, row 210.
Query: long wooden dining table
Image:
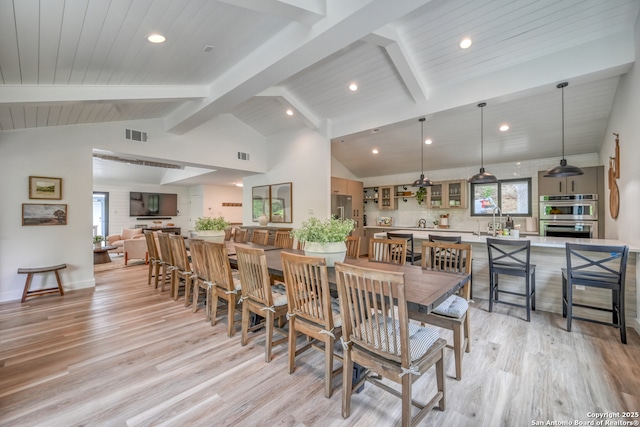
column 424, row 289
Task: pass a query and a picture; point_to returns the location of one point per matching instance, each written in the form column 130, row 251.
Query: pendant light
column 422, row 181
column 482, row 177
column 564, row 169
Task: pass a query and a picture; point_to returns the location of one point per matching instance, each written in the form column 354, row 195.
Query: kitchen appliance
column 341, row 206
column 571, row 215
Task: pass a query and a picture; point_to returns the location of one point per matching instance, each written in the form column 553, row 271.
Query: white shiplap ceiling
column 67, row 62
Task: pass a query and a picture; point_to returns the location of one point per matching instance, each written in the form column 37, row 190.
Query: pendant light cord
column 562, row 89
column 482, row 137
column 422, row 145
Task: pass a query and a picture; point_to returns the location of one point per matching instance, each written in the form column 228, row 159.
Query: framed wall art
column 44, row 214
column 281, row 202
column 41, row 187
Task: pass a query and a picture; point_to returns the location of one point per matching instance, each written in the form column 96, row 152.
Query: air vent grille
column 243, row 156
column 135, row 135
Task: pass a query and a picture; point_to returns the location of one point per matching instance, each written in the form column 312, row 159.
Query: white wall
column 212, row 199
column 66, row 152
column 302, row 157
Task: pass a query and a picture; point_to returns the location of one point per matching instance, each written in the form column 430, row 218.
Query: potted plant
column 325, row 238
column 97, row 241
column 209, row 228
column 420, row 194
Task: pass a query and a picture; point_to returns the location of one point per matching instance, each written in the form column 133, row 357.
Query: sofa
column 117, row 240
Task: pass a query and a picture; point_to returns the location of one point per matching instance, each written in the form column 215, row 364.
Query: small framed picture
column 44, row 214
column 41, row 187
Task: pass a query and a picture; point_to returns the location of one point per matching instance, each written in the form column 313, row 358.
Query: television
column 153, row 204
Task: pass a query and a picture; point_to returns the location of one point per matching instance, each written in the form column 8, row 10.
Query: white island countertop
column 536, row 241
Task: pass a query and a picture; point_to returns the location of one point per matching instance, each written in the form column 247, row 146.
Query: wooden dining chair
column 283, row 239
column 453, row 313
column 226, row 283
column 201, row 278
column 596, row 266
column 381, row 340
column 240, row 235
column 353, row 246
column 260, row 237
column 227, row 234
column 312, row 311
column 182, row 268
column 259, row 297
column 166, row 255
column 412, row 254
column 390, row 251
column 155, row 262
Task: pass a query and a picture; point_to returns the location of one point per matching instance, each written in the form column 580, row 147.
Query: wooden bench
column 31, row 271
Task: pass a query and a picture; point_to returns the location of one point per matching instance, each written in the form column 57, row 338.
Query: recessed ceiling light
column 375, row 151
column 428, row 141
column 239, row 184
column 156, row 38
column 289, row 112
column 504, row 128
column 353, row 87
column 465, row 43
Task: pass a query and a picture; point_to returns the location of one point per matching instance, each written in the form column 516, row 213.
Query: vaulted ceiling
column 67, row 62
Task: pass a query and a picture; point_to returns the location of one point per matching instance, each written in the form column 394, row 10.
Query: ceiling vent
column 135, row 135
column 243, row 156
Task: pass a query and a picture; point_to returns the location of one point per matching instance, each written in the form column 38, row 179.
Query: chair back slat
column 449, row 257
column 217, row 260
column 353, row 246
column 369, row 318
column 283, row 239
column 390, row 251
column 179, row 250
column 254, row 275
column 240, row 235
column 597, row 263
column 307, row 286
column 152, row 247
column 166, row 253
column 260, row 237
column 198, row 264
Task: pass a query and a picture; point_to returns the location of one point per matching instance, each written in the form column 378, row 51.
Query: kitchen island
column 549, row 256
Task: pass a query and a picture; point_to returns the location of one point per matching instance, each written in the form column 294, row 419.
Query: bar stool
column 511, row 257
column 596, row 266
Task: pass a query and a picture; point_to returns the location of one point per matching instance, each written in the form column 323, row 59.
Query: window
column 513, row 196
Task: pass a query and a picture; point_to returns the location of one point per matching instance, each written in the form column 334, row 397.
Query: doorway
column 100, row 213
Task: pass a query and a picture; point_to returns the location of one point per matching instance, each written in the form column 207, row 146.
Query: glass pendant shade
column 422, row 181
column 563, row 169
column 482, row 177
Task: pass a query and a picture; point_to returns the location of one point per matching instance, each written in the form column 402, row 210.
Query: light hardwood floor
column 128, row 355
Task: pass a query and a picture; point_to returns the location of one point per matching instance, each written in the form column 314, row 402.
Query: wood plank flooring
column 128, row 355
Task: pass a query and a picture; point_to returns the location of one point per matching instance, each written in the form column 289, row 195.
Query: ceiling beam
column 287, row 53
column 389, row 39
column 288, row 100
column 304, row 11
column 24, row 94
column 605, row 57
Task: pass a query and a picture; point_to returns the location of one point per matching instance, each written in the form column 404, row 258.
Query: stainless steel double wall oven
column 571, row 215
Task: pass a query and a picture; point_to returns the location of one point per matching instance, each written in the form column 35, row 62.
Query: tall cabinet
column 355, row 190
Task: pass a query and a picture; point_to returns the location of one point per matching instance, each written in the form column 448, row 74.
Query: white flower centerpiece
column 325, row 238
column 212, row 229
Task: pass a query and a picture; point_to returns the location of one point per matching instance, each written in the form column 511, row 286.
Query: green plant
column 420, row 194
column 329, row 230
column 98, row 239
column 207, row 223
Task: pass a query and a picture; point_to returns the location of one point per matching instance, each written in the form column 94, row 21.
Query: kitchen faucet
column 494, row 219
column 422, row 223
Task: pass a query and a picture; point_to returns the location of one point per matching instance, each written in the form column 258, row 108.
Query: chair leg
column 293, row 335
column 621, row 315
column 440, row 381
column 214, row 307
column 527, row 292
column 458, row 351
column 231, row 311
column 245, row 323
column 347, row 383
column 328, row 367
column 269, row 338
column 491, row 290
column 569, row 304
column 406, row 400
column 564, row 297
column 533, row 290
column 467, row 331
